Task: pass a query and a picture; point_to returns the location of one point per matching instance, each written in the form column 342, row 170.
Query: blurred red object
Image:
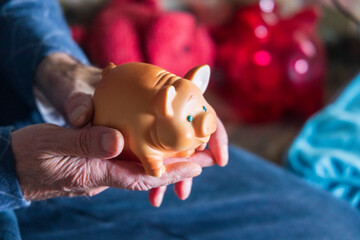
column 272, row 66
column 139, row 30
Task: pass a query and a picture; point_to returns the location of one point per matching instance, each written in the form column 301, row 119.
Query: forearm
column 31, row 30
column 10, row 192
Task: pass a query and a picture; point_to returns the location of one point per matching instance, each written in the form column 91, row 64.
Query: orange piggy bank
column 160, row 114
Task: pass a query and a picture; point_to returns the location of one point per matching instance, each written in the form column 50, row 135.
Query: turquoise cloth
column 327, row 151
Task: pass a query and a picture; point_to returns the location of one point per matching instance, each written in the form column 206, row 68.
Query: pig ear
column 108, row 69
column 164, row 100
column 199, row 75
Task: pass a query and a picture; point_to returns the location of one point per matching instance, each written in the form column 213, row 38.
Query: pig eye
column 204, row 108
column 189, row 118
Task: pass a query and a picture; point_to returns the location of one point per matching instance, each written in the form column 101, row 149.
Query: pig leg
column 151, row 159
column 154, row 166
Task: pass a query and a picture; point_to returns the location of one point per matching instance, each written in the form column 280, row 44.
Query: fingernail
column 107, row 142
column 159, row 196
column 158, row 201
column 187, row 190
column 225, row 155
column 77, row 113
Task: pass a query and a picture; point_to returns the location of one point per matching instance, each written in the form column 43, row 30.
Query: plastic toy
column 160, row 114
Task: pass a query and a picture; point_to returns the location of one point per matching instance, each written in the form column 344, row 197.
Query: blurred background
column 274, row 62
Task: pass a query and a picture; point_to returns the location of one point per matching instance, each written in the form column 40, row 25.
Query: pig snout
column 205, row 125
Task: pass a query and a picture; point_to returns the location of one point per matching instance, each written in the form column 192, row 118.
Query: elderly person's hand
column 52, row 161
column 69, row 86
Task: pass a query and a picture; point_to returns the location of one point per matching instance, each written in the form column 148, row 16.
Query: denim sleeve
column 327, row 151
column 10, row 193
column 29, row 31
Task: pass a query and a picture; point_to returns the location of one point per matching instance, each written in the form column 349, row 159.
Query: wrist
column 53, row 67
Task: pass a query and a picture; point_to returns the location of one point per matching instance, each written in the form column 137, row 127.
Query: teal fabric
column 327, row 151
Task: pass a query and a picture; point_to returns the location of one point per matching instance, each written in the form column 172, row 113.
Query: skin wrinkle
column 80, row 175
column 62, row 168
column 73, row 176
column 138, row 186
column 128, row 177
column 56, row 166
column 85, row 141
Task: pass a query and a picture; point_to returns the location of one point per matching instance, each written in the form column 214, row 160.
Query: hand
column 52, row 161
column 217, row 153
column 69, row 86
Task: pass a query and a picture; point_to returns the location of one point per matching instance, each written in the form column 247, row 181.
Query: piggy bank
column 159, row 114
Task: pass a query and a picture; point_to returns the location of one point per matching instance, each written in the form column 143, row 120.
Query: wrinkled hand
column 52, row 161
column 69, row 86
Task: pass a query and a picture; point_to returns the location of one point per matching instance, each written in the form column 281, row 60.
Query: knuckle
column 83, row 141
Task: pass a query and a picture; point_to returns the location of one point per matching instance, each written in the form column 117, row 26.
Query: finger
column 156, row 196
column 131, row 175
column 95, row 76
column 218, row 144
column 183, row 189
column 79, row 108
column 201, row 147
column 93, row 142
column 204, row 159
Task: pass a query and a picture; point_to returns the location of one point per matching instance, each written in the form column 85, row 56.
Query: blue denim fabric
column 9, row 229
column 327, row 152
column 10, row 193
column 249, row 199
column 29, row 31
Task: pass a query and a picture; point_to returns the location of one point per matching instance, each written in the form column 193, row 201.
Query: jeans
column 248, row 199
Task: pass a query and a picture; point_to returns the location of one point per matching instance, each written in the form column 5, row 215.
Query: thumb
column 79, row 108
column 93, row 142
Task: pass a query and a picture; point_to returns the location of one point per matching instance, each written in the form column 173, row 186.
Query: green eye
column 204, row 108
column 189, row 118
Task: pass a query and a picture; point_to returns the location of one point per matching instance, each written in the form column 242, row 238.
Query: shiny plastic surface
column 160, row 114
